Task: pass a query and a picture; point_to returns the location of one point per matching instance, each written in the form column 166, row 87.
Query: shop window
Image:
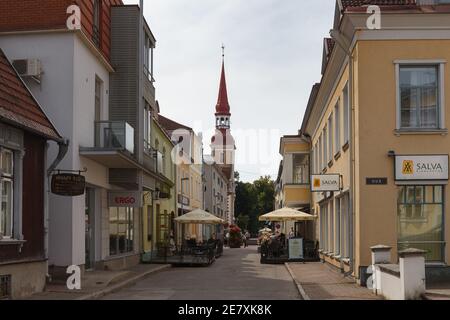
column 419, row 95
column 121, row 233
column 420, row 220
column 6, row 191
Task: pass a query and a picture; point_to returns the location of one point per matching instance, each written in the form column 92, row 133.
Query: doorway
column 89, row 219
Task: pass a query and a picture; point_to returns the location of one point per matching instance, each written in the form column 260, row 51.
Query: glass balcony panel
column 114, row 135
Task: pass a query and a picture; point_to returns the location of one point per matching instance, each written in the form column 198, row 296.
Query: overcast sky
column 273, row 57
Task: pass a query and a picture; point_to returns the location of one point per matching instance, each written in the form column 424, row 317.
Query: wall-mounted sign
column 68, row 184
column 127, row 199
column 183, row 200
column 325, row 182
column 421, row 167
column 376, row 181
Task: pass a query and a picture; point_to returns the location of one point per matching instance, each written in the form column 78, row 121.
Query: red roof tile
column 360, row 3
column 170, row 125
column 17, row 104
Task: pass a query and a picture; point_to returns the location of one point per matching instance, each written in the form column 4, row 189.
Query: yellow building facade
column 160, row 205
column 378, row 119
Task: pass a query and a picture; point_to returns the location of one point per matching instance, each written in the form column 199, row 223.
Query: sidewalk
column 318, row 281
column 96, row 284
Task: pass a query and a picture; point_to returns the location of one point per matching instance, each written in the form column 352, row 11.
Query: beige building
column 378, row 119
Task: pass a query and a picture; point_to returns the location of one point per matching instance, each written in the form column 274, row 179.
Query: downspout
column 340, row 39
column 63, row 148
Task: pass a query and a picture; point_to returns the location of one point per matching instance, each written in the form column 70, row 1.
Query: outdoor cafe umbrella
column 265, row 230
column 199, row 216
column 286, row 214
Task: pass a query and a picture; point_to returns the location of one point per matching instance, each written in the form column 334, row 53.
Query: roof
column 223, row 107
column 311, row 101
column 18, row 106
column 360, row 3
column 169, row 125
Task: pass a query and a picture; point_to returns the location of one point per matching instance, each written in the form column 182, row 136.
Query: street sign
column 68, row 184
column 325, row 182
column 432, row 167
column 376, row 181
column 125, row 199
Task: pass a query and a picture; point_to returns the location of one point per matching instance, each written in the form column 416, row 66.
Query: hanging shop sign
column 68, row 184
column 127, row 199
column 416, row 167
column 325, row 182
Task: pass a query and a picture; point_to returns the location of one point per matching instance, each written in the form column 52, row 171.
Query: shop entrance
column 89, row 219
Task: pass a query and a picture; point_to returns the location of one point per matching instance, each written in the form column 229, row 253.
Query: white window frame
column 8, row 177
column 330, row 138
column 337, row 127
column 346, row 113
column 440, row 63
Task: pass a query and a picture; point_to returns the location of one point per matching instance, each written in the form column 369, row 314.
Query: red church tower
column 222, row 143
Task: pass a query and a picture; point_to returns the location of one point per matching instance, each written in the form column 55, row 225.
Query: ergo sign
column 125, row 199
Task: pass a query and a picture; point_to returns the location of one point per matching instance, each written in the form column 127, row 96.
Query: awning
column 199, row 216
column 286, row 214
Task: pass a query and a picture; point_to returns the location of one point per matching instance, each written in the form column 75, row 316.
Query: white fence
column 403, row 281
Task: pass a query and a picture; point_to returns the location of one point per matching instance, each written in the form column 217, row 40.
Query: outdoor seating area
column 188, row 250
column 280, row 247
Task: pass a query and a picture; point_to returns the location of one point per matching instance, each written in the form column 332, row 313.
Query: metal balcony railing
column 114, row 135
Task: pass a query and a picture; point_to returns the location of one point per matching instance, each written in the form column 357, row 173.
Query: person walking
column 244, row 238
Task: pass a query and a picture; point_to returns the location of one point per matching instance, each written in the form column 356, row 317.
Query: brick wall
column 27, row 15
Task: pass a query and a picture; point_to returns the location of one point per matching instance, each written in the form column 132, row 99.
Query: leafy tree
column 254, row 199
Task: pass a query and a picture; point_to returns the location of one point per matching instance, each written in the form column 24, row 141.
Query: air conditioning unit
column 28, row 67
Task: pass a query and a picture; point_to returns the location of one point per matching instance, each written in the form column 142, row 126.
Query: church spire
column 223, row 107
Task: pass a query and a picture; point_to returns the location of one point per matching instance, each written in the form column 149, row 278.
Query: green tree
column 253, row 200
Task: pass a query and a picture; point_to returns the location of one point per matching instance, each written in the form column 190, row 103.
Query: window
column 121, row 235
column 320, row 167
column 330, row 138
column 300, row 164
column 148, row 58
column 420, row 220
column 337, row 232
column 7, row 187
column 419, row 97
column 331, row 227
column 325, row 148
column 337, row 127
column 96, row 25
column 98, row 99
column 346, row 115
column 147, row 127
column 324, row 244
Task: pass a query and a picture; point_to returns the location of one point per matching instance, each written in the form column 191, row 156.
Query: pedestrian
column 244, row 239
column 291, row 233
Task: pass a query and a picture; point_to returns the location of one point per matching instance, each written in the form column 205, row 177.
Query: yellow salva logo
column 316, row 183
column 408, row 167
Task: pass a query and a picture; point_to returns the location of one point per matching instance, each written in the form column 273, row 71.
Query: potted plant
column 235, row 237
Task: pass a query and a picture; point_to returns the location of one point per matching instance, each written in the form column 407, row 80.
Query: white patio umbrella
column 199, row 216
column 286, row 214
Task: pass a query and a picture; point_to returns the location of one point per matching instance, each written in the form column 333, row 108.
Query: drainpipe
column 63, row 147
column 344, row 43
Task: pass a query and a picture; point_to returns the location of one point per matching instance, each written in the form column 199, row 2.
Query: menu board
column 295, row 249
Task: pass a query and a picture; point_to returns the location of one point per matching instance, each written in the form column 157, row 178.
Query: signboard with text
column 295, row 249
column 433, row 167
column 325, row 182
column 127, row 199
column 68, row 185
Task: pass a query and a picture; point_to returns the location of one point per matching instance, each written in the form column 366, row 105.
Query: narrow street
column 236, row 275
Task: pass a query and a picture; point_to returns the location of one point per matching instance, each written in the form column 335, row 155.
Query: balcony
column 113, row 145
column 114, row 135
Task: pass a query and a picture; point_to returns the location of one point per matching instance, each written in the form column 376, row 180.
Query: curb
column 300, row 289
column 120, row 285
